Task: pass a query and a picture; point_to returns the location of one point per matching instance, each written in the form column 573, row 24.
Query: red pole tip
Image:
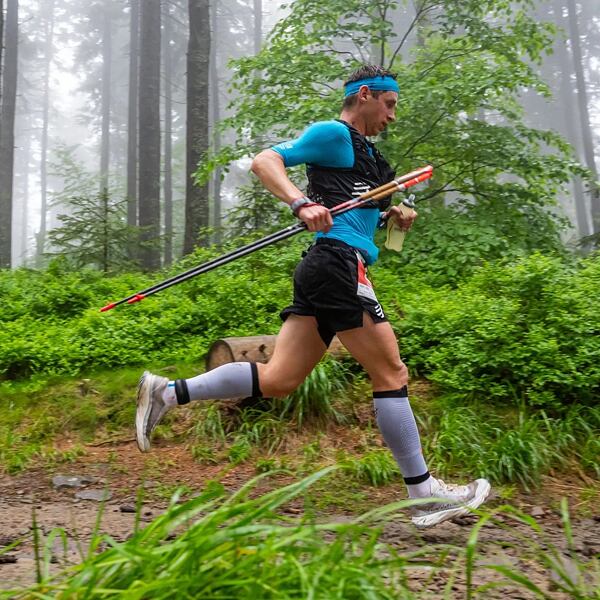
column 136, row 298
column 108, row 307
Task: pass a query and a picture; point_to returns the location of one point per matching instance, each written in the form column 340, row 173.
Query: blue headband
column 381, row 83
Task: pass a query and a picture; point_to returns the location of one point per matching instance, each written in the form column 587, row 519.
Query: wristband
column 296, row 205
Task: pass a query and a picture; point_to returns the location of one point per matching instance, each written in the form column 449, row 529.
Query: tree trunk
column 105, row 100
column 567, row 98
column 216, row 117
column 586, row 131
column 25, row 206
column 7, row 128
column 149, row 134
column 48, row 53
column 132, row 118
column 168, row 149
column 198, row 58
column 1, row 46
column 258, row 27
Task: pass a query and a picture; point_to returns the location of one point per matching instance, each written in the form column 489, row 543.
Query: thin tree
column 25, row 203
column 198, row 59
column 1, row 45
column 105, row 96
column 570, row 117
column 582, row 103
column 168, row 134
column 132, row 119
column 7, row 128
column 149, row 133
column 215, row 118
column 48, row 56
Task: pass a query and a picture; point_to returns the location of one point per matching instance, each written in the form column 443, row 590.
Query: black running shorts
column 331, row 284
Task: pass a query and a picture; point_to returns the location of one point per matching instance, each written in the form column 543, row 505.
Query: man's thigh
column 375, row 347
column 298, row 349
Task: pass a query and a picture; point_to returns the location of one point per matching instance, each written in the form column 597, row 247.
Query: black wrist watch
column 296, row 205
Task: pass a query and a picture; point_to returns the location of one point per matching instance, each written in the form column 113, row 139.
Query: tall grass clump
column 511, row 446
column 314, row 398
column 565, row 571
column 376, row 467
column 234, row 547
column 215, row 546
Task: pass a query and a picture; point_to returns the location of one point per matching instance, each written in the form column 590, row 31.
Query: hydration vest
column 331, row 186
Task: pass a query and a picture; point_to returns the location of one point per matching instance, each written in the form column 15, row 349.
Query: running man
column 332, row 293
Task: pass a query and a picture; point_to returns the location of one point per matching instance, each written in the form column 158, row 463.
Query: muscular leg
column 374, row 345
column 298, row 349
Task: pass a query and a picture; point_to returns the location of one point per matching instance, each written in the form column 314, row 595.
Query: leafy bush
column 447, row 243
column 527, row 332
column 524, row 332
column 52, row 323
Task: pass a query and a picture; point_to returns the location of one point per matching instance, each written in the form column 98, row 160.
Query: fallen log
column 254, row 348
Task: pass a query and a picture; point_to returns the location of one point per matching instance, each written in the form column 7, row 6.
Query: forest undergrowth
column 505, row 377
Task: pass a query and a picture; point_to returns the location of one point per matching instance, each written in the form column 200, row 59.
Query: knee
column 273, row 384
column 278, row 389
column 400, row 375
column 392, row 377
column 403, row 373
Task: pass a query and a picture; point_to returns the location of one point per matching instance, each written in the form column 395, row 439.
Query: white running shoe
column 150, row 407
column 460, row 499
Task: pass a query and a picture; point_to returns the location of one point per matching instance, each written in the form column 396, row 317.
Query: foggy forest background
column 114, row 104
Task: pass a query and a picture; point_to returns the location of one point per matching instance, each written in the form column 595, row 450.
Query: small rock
column 570, row 570
column 537, row 511
column 95, row 495
column 465, row 521
column 590, row 549
column 147, row 513
column 150, row 484
column 72, row 481
column 127, row 508
column 7, row 540
column 293, row 510
column 7, row 559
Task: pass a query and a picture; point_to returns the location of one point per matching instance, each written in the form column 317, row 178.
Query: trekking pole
column 399, row 184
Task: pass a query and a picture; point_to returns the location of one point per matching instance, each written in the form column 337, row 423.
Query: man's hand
column 316, row 217
column 402, row 215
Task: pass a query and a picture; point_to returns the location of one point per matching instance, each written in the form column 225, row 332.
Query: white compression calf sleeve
column 232, row 380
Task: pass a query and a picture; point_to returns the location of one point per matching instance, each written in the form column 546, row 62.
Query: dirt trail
column 122, row 470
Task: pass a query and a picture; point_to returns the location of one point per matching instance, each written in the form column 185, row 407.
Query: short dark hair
column 365, row 72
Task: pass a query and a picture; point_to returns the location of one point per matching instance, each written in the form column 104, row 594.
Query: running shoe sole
column 481, row 493
column 143, row 410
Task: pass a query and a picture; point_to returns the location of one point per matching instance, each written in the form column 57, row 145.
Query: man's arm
column 269, row 168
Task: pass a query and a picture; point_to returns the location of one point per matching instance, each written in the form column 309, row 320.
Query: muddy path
column 117, row 472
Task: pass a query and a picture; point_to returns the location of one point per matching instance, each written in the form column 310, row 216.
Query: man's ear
column 363, row 93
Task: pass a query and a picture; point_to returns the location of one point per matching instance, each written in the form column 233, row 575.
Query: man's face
column 379, row 112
